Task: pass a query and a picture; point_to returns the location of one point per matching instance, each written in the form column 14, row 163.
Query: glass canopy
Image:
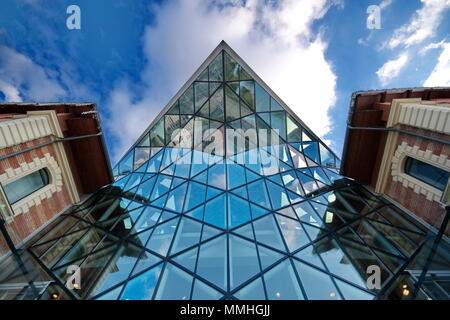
column 194, row 214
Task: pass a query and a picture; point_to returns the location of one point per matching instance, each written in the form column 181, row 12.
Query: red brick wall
column 430, row 211
column 25, row 224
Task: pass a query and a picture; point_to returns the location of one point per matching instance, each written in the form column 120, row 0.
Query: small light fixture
column 55, row 296
column 75, row 285
column 405, row 292
column 332, row 294
column 278, row 294
column 404, row 286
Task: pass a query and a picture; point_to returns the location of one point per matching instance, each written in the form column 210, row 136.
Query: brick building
column 398, row 143
column 51, row 156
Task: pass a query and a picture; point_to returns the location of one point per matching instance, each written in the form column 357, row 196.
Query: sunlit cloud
column 441, row 73
column 276, row 40
column 391, row 69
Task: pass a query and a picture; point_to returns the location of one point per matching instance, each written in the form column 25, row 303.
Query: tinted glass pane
column 25, row 186
column 243, row 260
column 253, row 291
column 204, row 292
column 188, row 234
column 262, row 99
column 187, row 101
column 282, row 284
column 175, row 284
column 142, row 287
column 318, row 285
column 427, row 173
column 266, row 232
column 212, row 262
column 201, row 94
column 217, row 106
column 247, row 93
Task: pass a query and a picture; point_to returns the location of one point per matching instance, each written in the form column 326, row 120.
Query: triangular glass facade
column 269, row 218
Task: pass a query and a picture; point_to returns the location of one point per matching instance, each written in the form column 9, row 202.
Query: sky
column 131, row 57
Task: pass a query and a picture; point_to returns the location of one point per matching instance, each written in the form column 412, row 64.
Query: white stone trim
column 398, row 174
column 429, row 117
column 21, row 130
column 26, row 168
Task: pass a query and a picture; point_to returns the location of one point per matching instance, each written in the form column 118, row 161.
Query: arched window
column 427, row 173
column 23, row 187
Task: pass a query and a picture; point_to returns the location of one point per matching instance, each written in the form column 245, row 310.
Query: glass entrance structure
column 229, row 195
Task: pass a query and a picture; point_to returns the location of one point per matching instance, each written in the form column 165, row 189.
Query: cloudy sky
column 131, row 57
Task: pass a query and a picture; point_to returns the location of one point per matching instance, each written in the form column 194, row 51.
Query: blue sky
column 131, row 57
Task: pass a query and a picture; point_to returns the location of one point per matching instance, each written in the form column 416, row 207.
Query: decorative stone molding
column 26, row 168
column 429, row 117
column 21, row 130
column 398, row 163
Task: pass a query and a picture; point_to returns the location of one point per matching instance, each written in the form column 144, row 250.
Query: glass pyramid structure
column 194, row 214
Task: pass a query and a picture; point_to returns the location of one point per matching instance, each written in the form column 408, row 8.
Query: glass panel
column 119, row 268
column 212, row 262
column 215, row 212
column 294, row 132
column 253, row 291
column 294, row 235
column 231, row 68
column 187, row 101
column 247, row 92
column 162, row 237
column 238, row 211
column 236, row 175
column 243, row 261
column 201, row 94
column 282, row 284
column 175, row 199
column 142, row 287
column 353, row 293
column 266, row 232
column 217, row 176
column 148, row 219
column 172, row 123
column 204, row 292
column 318, row 285
column 188, row 234
column 311, row 150
column 217, row 106
column 279, row 123
column 157, row 134
column 274, row 105
column 175, row 284
column 215, row 69
column 195, row 195
column 126, row 164
column 262, row 99
column 259, row 194
column 326, row 157
column 232, row 105
column 277, row 195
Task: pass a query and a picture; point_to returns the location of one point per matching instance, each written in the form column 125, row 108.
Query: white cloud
column 433, row 45
column 276, row 40
column 385, row 3
column 441, row 73
column 392, row 69
column 21, row 78
column 423, row 24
